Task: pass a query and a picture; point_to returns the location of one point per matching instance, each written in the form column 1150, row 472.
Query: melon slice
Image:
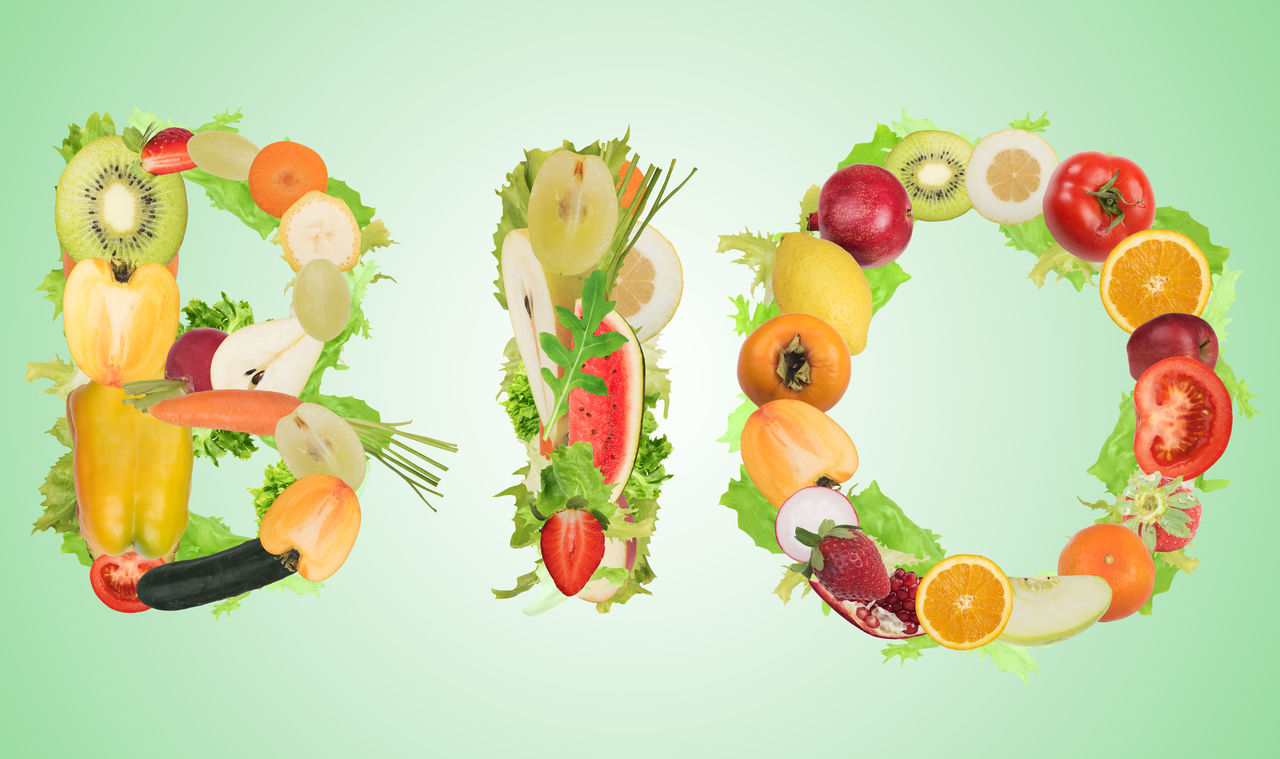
column 1050, row 609
column 611, row 422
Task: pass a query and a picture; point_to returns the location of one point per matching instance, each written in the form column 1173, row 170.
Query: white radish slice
column 808, row 508
column 222, row 154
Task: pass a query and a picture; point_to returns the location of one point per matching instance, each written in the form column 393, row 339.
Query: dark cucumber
column 193, row 582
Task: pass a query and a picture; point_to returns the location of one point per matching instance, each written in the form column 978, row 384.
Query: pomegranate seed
column 872, row 622
column 862, row 613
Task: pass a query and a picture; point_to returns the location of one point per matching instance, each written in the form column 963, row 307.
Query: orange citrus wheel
column 964, row 602
column 1154, row 272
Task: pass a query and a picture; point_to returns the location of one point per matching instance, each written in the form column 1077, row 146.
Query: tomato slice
column 1184, row 418
column 115, row 580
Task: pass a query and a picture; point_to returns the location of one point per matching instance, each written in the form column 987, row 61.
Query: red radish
column 166, row 152
column 807, row 508
column 572, row 543
column 191, row 355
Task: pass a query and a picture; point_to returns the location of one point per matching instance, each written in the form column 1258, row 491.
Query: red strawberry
column 166, row 152
column 1164, row 512
column 572, row 548
column 847, row 563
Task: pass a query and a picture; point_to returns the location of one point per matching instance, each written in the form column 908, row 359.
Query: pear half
column 275, row 355
column 1049, row 609
column 531, row 312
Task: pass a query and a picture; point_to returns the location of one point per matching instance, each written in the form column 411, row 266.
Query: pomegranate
column 865, row 210
column 893, row 616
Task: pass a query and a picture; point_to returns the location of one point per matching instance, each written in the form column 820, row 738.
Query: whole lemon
column 814, row 276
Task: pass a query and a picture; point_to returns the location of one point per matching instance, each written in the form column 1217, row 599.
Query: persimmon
column 283, row 172
column 796, row 356
column 1117, row 555
column 788, row 445
column 318, row 517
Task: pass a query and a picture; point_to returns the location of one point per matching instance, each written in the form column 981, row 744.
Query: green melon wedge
column 1049, row 609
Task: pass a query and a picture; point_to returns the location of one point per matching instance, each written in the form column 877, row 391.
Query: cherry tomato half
column 1095, row 200
column 115, row 580
column 1184, row 418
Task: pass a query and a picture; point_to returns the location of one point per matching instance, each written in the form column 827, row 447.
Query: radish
column 807, row 508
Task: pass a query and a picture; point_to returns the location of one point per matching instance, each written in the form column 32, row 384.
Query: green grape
column 321, row 300
column 222, row 154
column 573, row 211
column 314, row 440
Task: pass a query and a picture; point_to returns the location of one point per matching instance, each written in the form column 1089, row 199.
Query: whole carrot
column 253, row 411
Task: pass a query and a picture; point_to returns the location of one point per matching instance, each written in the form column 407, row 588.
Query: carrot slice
column 253, row 411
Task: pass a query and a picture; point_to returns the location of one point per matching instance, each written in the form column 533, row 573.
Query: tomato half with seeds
column 796, row 356
column 115, row 580
column 1184, row 418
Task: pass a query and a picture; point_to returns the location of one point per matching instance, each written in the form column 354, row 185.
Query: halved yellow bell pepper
column 119, row 332
column 132, row 474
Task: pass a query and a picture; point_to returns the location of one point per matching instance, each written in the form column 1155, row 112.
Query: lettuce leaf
column 214, row 444
column 649, row 472
column 1031, row 125
column 62, row 374
column 884, row 282
column 872, row 152
column 359, row 278
column 342, row 191
column 755, row 514
column 1171, row 218
column 233, row 197
column 59, row 502
column 746, row 318
column 77, row 137
column 225, row 314
column 275, row 478
column 1015, row 660
column 520, row 406
column 1116, row 461
column 53, row 286
column 737, row 420
column 884, row 520
column 1237, row 389
column 759, row 253
column 1034, row 237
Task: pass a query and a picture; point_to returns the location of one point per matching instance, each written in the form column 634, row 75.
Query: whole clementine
column 1117, row 555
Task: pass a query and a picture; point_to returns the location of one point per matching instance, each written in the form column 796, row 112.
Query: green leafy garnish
column 1174, row 220
column 875, row 151
column 62, row 375
column 586, row 345
column 53, row 286
column 759, row 253
column 1031, row 125
column 59, row 502
column 746, row 319
column 884, row 282
column 756, row 516
column 884, row 520
column 649, row 472
column 226, row 314
column 1034, row 237
column 214, row 444
column 275, row 478
column 94, row 127
column 737, row 420
column 520, row 407
column 1116, row 461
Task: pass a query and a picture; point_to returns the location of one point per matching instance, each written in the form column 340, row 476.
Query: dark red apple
column 191, row 355
column 1172, row 335
column 865, row 210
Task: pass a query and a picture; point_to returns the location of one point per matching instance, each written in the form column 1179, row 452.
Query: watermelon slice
column 611, row 423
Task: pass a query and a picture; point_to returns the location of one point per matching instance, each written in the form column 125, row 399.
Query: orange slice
column 1154, row 272
column 964, row 602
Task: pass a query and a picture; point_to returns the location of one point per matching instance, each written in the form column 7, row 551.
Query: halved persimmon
column 318, row 517
column 1154, row 272
column 964, row 601
column 788, row 445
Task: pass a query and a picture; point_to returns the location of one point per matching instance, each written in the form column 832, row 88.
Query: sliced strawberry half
column 166, row 152
column 572, row 548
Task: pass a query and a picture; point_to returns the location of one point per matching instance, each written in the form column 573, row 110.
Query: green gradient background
column 978, row 404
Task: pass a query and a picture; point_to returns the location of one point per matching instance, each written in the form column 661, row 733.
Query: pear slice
column 1049, row 609
column 531, row 312
column 273, row 355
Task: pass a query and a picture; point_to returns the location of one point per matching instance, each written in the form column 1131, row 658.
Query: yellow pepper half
column 119, row 332
column 132, row 474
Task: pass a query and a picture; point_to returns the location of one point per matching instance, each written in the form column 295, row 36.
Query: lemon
column 814, row 276
column 649, row 284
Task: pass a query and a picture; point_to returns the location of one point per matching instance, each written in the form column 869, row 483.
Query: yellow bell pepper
column 119, row 332
column 132, row 474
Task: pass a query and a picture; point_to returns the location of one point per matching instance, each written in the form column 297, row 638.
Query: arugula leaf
column 1031, row 125
column 586, row 345
column 214, row 444
column 59, row 502
column 759, row 253
column 61, row 373
column 53, row 286
column 737, row 420
column 1034, row 237
column 756, row 515
column 275, row 478
column 872, row 152
column 1116, row 461
column 884, row 282
column 746, row 320
column 1168, row 217
column 520, row 407
column 77, row 137
column 884, row 520
column 226, row 314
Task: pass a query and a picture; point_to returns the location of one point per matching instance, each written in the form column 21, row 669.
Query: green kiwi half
column 108, row 206
column 931, row 165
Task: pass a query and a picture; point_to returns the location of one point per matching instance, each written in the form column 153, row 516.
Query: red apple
column 865, row 210
column 191, row 355
column 1172, row 335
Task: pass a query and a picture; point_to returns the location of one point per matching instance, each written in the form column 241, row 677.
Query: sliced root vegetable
column 320, row 226
column 649, row 284
column 282, row 173
column 1008, row 174
column 807, row 508
column 256, row 412
column 275, row 355
column 314, row 440
column 222, row 154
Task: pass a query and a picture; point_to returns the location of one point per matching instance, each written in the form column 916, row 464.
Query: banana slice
column 320, row 226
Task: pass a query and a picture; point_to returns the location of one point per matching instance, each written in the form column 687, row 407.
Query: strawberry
column 846, row 562
column 1164, row 512
column 572, row 548
column 166, row 152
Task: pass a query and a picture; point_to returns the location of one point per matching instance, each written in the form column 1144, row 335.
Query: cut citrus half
column 649, row 284
column 1154, row 272
column 964, row 602
column 1008, row 174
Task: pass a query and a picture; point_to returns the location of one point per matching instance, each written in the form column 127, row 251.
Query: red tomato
column 1095, row 200
column 115, row 580
column 1184, row 418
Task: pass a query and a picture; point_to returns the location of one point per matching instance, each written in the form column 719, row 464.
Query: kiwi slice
column 108, row 206
column 931, row 165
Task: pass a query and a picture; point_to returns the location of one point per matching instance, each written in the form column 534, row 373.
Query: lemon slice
column 649, row 284
column 1008, row 175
